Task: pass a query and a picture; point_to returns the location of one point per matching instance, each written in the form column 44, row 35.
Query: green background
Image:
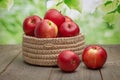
column 96, row 30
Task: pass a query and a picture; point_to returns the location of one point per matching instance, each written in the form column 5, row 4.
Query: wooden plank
column 56, row 74
column 114, row 53
column 88, row 74
column 7, row 55
column 82, row 73
column 111, row 70
column 19, row 70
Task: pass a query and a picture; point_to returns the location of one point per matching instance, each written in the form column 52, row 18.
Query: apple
column 68, row 61
column 46, row 29
column 68, row 29
column 55, row 16
column 30, row 23
column 94, row 56
column 67, row 19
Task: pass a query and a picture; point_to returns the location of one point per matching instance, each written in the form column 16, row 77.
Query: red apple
column 67, row 19
column 55, row 16
column 46, row 29
column 30, row 23
column 68, row 61
column 68, row 29
column 94, row 56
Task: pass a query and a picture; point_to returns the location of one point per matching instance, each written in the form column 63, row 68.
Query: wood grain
column 7, row 54
column 19, row 70
column 81, row 73
column 111, row 70
column 114, row 53
column 88, row 74
column 13, row 67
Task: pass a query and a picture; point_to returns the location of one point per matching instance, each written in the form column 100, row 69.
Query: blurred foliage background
column 95, row 26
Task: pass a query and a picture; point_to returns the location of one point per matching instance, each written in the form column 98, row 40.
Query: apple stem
column 69, row 25
column 49, row 23
column 32, row 21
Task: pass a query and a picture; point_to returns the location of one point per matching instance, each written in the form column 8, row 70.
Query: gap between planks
column 10, row 62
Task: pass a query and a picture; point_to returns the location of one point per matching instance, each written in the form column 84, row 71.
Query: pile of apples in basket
column 57, row 25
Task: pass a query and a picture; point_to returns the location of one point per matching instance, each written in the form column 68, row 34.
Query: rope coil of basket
column 44, row 51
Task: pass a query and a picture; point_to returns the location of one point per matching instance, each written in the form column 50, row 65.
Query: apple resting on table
column 94, row 56
column 68, row 61
column 67, row 19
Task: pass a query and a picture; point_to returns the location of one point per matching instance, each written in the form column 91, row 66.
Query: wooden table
column 12, row 67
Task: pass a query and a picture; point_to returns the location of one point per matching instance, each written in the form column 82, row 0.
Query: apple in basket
column 68, row 29
column 94, row 56
column 68, row 61
column 67, row 19
column 46, row 29
column 30, row 23
column 55, row 16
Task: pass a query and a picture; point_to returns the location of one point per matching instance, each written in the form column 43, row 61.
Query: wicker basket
column 44, row 51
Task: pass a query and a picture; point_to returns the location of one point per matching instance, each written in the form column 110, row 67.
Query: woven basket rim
column 62, row 40
column 24, row 35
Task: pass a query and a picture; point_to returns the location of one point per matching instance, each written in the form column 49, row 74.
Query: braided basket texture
column 44, row 51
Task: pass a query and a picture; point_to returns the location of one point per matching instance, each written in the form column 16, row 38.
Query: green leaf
column 74, row 4
column 110, row 6
column 60, row 2
column 109, row 18
column 112, row 18
column 108, row 2
column 3, row 3
column 6, row 4
column 118, row 8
